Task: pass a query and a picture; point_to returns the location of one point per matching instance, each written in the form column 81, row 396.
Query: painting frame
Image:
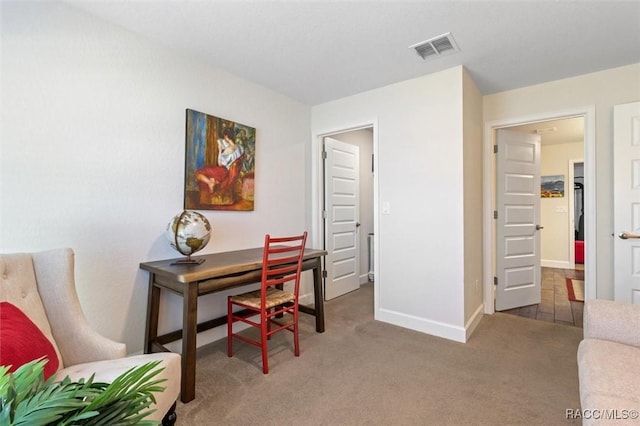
column 552, row 186
column 219, row 172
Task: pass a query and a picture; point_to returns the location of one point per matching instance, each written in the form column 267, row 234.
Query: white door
column 341, row 225
column 518, row 219
column 626, row 195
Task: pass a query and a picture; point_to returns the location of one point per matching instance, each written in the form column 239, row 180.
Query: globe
column 188, row 233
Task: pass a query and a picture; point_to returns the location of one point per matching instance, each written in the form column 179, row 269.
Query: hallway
column 555, row 305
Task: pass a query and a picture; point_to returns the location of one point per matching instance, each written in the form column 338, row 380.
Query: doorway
column 562, row 151
column 545, row 124
column 337, row 234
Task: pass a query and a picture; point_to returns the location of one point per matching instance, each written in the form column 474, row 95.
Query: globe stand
column 188, row 261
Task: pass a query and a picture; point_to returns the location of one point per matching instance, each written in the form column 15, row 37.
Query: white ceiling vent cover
column 437, row 46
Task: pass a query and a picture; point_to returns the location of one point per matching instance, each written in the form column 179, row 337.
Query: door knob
column 627, row 235
column 538, row 227
column 357, row 224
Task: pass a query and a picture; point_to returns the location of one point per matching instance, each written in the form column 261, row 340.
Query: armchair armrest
column 77, row 341
column 614, row 321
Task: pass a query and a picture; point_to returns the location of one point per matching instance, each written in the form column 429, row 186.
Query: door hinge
column 324, row 154
column 495, row 149
column 324, row 214
column 495, row 280
column 495, row 214
column 324, row 273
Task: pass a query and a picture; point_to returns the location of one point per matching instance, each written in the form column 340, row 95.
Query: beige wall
column 601, row 91
column 472, row 153
column 555, row 213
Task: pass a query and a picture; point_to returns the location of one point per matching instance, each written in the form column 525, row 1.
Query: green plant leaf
column 28, row 400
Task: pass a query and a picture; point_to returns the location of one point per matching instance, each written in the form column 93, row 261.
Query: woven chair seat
column 273, row 298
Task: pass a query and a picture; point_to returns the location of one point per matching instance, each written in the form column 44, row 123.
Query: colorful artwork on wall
column 552, row 186
column 220, row 163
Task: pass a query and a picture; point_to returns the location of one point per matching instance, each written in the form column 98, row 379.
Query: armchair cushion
column 609, row 375
column 614, row 321
column 106, row 371
column 22, row 341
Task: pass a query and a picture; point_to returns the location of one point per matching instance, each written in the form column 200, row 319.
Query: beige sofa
column 609, row 363
column 42, row 286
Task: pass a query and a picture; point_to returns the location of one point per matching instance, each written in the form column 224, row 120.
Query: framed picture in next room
column 552, row 186
column 220, row 163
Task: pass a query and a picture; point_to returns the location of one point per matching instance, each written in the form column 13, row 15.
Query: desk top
column 217, row 264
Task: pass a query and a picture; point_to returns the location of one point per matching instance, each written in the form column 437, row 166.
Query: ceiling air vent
column 438, row 46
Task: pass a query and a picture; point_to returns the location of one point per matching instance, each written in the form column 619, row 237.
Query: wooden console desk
column 219, row 271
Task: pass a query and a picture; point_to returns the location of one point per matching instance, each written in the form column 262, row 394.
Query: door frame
column 489, row 195
column 317, row 192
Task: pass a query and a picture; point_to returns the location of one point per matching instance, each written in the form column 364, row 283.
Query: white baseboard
column 555, row 264
column 473, row 322
column 435, row 328
column 306, row 299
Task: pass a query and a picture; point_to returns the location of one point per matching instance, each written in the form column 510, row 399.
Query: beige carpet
column 513, row 371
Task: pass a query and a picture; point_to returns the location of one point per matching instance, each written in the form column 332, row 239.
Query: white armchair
column 42, row 286
column 608, row 367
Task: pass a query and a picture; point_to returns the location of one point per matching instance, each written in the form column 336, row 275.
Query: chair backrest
column 282, row 261
column 42, row 285
column 19, row 286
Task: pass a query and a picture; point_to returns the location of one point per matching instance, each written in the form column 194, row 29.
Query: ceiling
column 317, row 51
column 554, row 132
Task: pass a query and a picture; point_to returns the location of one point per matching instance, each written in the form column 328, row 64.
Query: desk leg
column 153, row 309
column 319, row 297
column 189, row 332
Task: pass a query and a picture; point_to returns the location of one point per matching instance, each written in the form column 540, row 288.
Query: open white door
column 518, row 218
column 342, row 200
column 626, row 195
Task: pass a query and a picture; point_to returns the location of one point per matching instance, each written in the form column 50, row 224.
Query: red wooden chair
column 281, row 265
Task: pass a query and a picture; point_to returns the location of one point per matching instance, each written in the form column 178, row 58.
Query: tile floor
column 555, row 305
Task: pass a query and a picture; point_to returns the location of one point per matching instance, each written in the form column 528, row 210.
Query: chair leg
column 229, row 328
column 263, row 343
column 296, row 339
column 170, row 417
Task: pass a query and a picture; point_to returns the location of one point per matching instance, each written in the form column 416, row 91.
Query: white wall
column 420, row 272
column 92, row 156
column 601, row 90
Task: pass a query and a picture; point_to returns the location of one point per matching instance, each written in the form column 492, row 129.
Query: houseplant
column 27, row 399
